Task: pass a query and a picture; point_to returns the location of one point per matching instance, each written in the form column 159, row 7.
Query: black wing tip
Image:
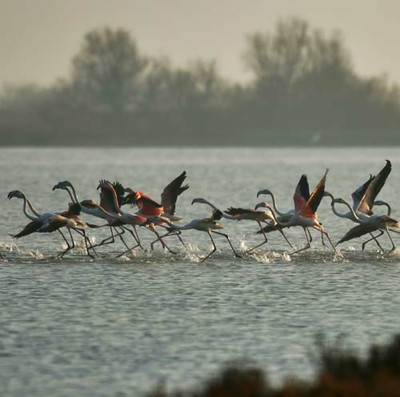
column 217, row 215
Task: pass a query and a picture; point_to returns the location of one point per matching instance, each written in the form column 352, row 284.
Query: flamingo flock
column 159, row 219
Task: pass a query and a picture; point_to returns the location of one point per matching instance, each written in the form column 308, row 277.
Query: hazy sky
column 38, row 38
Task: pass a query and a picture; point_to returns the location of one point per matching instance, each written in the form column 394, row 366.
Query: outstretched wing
column 359, row 193
column 315, row 198
column 301, row 194
column 30, row 228
column 171, row 192
column 216, row 215
column 239, row 211
column 367, row 201
column 357, row 231
column 108, row 197
column 120, row 191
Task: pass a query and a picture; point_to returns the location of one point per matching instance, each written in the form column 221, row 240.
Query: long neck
column 73, row 195
column 280, row 213
column 355, row 216
column 29, row 204
column 384, row 203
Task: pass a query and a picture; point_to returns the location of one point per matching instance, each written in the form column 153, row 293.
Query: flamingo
column 111, row 203
column 238, row 214
column 282, row 217
column 304, row 213
column 148, row 207
column 364, row 200
column 94, row 211
column 208, row 225
column 50, row 222
column 109, row 199
column 369, row 224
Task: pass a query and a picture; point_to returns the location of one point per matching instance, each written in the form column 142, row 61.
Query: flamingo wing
column 30, row 228
column 120, row 191
column 216, row 215
column 357, row 231
column 315, row 198
column 358, row 194
column 367, row 201
column 108, row 197
column 301, row 194
column 239, row 211
column 171, row 192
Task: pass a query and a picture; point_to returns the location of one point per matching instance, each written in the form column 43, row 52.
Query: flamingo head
column 62, row 185
column 15, row 193
column 264, row 191
column 199, row 200
column 263, row 204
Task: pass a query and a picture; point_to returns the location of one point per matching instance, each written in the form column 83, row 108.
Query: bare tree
column 108, row 69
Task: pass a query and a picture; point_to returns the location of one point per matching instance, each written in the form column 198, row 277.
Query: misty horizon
column 303, row 90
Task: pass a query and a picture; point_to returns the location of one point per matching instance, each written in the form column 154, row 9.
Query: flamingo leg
column 322, row 239
column 108, row 240
column 284, row 236
column 135, row 236
column 213, row 250
column 69, row 247
column 229, row 241
column 176, row 233
column 373, row 238
column 262, row 243
column 88, row 244
column 391, row 240
column 330, row 241
column 309, row 240
column 160, row 238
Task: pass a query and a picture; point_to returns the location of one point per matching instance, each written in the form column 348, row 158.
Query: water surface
column 112, row 327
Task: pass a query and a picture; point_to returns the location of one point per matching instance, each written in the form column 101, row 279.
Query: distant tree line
column 303, row 91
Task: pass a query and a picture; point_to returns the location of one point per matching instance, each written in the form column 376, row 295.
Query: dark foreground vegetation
column 342, row 374
column 303, row 90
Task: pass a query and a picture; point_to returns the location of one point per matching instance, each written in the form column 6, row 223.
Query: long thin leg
column 262, row 243
column 135, row 236
column 308, row 245
column 160, row 238
column 176, row 233
column 391, row 240
column 213, row 250
column 284, row 236
column 69, row 247
column 88, row 244
column 111, row 239
column 229, row 241
column 322, row 239
column 108, row 240
column 373, row 238
column 330, row 241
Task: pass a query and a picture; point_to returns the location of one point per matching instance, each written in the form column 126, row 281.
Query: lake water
column 116, row 327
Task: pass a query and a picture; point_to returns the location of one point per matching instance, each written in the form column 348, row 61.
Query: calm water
column 116, row 327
